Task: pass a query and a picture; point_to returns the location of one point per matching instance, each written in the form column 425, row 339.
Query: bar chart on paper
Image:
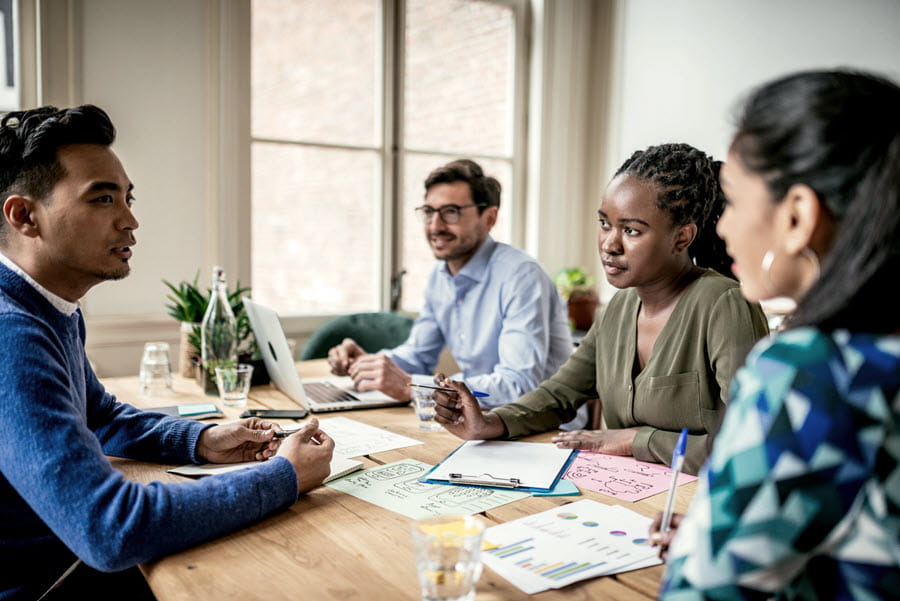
column 566, row 544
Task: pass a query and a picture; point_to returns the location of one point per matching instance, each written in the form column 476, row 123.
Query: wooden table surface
column 330, row 545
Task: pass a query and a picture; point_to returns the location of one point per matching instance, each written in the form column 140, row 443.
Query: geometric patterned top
column 800, row 498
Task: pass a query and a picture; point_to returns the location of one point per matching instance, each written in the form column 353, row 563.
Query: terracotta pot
column 582, row 309
column 186, row 351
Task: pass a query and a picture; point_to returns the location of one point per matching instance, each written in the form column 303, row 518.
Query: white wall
column 683, row 66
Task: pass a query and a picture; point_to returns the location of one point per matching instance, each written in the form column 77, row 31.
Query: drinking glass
column 423, row 400
column 234, row 384
column 448, row 556
column 156, row 371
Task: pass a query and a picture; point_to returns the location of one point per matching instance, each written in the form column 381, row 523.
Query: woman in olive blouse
column 661, row 354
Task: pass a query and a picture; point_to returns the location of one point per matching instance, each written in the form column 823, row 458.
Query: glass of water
column 423, row 399
column 156, row 371
column 448, row 556
column 234, row 384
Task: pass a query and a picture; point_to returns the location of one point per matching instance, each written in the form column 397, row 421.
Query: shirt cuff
column 640, row 446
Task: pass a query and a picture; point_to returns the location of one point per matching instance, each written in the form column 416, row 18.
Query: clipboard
column 525, row 466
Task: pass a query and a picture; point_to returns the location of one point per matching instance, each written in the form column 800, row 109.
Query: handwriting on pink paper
column 621, row 477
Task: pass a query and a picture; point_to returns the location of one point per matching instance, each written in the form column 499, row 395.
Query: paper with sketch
column 621, row 477
column 566, row 544
column 354, row 439
column 534, row 465
column 396, row 486
column 340, row 466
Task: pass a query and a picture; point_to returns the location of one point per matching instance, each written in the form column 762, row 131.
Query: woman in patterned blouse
column 800, row 498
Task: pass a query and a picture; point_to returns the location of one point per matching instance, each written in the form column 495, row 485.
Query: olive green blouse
column 684, row 384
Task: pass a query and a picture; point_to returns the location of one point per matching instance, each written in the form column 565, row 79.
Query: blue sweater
column 60, row 498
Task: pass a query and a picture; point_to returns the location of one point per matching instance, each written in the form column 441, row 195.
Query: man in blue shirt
column 492, row 305
column 68, row 517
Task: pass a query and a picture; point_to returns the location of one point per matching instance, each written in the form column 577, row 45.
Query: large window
column 353, row 103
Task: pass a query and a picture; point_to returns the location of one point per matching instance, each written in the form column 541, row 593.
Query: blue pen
column 475, row 393
column 677, row 464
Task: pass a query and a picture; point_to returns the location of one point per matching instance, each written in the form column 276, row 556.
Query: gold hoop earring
column 769, row 259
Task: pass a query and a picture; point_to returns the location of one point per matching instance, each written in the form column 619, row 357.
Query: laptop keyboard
column 326, row 392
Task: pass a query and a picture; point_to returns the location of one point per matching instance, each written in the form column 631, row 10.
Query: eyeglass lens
column 449, row 213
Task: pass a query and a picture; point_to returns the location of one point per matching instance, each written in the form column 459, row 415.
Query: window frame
column 391, row 150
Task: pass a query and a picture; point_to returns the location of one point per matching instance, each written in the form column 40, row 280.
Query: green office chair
column 372, row 331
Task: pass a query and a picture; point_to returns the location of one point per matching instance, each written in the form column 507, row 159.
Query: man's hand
column 664, row 539
column 309, row 450
column 460, row 414
column 609, row 442
column 244, row 440
column 378, row 372
column 342, row 356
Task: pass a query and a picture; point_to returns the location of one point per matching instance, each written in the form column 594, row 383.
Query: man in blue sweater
column 67, row 226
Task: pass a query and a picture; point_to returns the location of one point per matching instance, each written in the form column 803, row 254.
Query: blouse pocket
column 670, row 402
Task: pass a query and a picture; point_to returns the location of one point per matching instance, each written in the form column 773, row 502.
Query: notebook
column 340, row 466
column 319, row 395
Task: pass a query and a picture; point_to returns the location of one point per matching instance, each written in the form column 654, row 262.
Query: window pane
column 315, row 219
column 459, row 76
column 416, row 256
column 315, row 70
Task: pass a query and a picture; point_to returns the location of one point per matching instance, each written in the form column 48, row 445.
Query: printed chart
column 566, row 544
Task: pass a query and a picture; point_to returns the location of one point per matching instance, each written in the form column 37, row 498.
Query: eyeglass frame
column 426, row 213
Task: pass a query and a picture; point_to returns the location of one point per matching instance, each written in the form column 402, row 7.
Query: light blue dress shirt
column 502, row 319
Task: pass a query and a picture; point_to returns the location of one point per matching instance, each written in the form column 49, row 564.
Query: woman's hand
column 610, row 442
column 459, row 413
column 664, row 539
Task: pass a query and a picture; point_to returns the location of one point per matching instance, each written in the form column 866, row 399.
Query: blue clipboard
column 500, row 464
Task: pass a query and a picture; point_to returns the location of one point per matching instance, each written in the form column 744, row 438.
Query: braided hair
column 687, row 183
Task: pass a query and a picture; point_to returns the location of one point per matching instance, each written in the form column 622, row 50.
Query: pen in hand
column 677, row 465
column 475, row 393
column 286, row 433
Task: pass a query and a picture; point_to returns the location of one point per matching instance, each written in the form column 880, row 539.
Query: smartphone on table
column 276, row 413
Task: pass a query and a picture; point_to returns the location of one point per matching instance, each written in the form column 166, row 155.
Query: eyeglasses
column 449, row 213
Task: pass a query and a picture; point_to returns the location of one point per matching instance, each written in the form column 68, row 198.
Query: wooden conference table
column 330, row 545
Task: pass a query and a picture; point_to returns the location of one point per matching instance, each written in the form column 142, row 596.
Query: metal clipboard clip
column 485, row 480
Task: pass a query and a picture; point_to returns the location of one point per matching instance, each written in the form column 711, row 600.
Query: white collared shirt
column 58, row 302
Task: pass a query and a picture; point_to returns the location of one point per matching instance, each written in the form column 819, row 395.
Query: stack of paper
column 396, row 486
column 573, row 542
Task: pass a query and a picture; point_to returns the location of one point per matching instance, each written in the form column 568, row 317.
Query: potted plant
column 579, row 290
column 187, row 304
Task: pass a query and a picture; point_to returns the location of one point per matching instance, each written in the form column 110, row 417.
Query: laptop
column 318, row 395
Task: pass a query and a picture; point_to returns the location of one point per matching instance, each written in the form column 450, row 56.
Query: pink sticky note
column 621, row 477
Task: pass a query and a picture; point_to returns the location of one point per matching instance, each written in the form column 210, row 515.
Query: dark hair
column 485, row 189
column 837, row 132
column 687, row 181
column 30, row 140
